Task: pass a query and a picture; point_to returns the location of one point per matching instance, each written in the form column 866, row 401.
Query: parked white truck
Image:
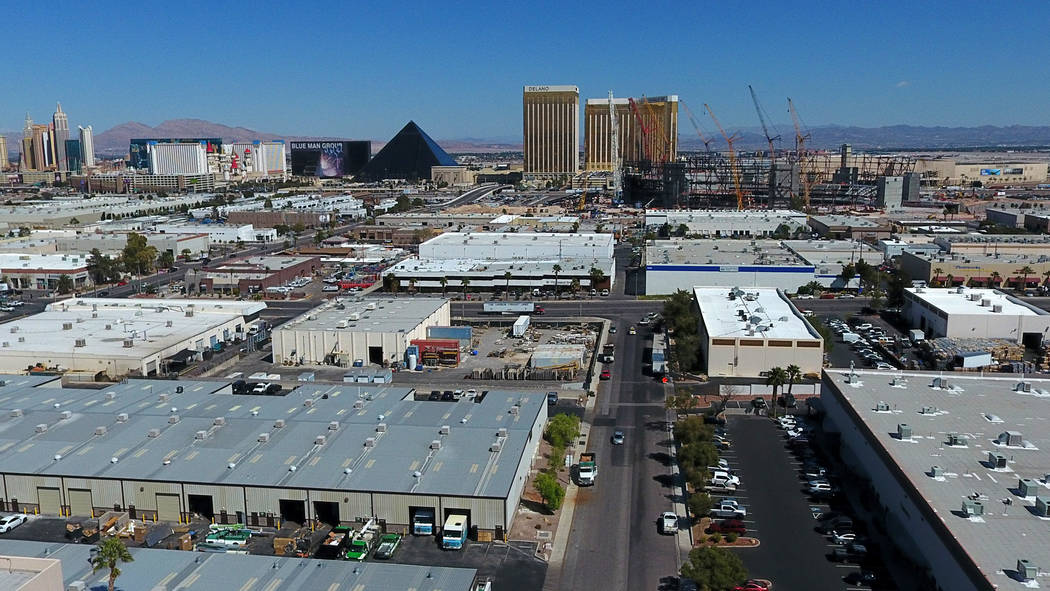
column 587, row 471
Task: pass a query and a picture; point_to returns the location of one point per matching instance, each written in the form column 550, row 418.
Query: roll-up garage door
column 50, row 500
column 80, row 502
column 168, row 508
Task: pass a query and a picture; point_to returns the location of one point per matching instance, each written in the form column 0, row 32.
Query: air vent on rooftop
column 122, row 417
column 17, row 412
column 153, row 433
column 278, row 424
column 381, row 428
column 370, row 441
column 41, row 428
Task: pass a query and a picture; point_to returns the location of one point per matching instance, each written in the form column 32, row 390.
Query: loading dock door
column 50, row 500
column 168, row 507
column 80, row 502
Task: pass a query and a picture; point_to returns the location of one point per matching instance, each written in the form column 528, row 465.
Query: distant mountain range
column 114, row 141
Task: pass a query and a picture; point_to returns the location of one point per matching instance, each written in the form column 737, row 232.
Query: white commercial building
column 727, row 222
column 493, row 246
column 671, row 265
column 744, row 333
column 965, row 312
column 177, row 158
column 259, row 159
column 221, row 233
column 344, row 330
column 117, row 337
column 957, row 470
column 43, row 271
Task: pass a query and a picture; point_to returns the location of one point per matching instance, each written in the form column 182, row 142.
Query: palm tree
column 996, row 278
column 597, row 276
column 465, row 282
column 1047, row 275
column 392, row 282
column 443, row 281
column 412, row 284
column 506, row 276
column 557, row 269
column 794, row 373
column 111, row 552
column 936, row 273
column 777, row 377
column 1025, row 271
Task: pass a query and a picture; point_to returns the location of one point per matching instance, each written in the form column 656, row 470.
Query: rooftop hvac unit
column 189, row 313
column 370, row 441
column 957, row 440
column 501, row 432
column 435, row 444
column 1026, row 570
column 1028, row 487
column 219, row 421
column 101, row 430
column 41, row 428
column 80, row 343
column 122, row 417
column 173, row 419
column 496, row 446
column 1023, row 387
column 308, row 402
column 971, row 508
column 66, row 415
column 278, row 424
column 15, row 413
column 264, row 437
column 353, row 317
column 77, row 586
column 936, row 471
column 381, row 428
column 21, row 339
column 168, row 324
column 14, row 329
column 997, row 460
column 67, row 326
column 928, row 410
column 882, row 407
column 200, row 435
column 997, row 308
column 1042, row 506
column 94, row 314
column 109, row 327
column 444, row 430
column 333, row 426
column 81, row 320
column 904, row 431
column 959, row 290
column 985, row 302
column 129, row 343
column 153, row 433
column 319, row 440
column 1011, row 439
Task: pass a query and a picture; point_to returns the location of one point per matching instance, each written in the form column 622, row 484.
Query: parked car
column 631, row 330
column 843, row 538
column 724, row 479
column 260, row 388
column 728, row 526
column 552, row 398
column 11, row 522
column 605, row 375
column 668, row 522
column 753, row 585
column 617, row 438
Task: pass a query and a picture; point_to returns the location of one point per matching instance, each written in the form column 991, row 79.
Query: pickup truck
column 729, row 509
column 360, row 545
column 723, row 479
column 388, row 543
column 587, row 469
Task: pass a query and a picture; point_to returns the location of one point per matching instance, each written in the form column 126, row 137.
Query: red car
column 727, row 526
column 122, row 283
column 753, row 585
column 604, row 375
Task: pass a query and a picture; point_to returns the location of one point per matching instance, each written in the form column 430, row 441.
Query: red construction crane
column 645, row 129
column 732, row 158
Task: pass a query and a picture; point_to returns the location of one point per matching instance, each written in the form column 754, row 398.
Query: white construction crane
column 614, row 125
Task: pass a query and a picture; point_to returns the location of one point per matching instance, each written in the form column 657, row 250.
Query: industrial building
column 220, row 233
column 962, row 312
column 118, row 337
column 45, row 566
column 344, row 330
column 551, row 131
column 658, row 115
column 77, row 209
column 946, row 172
column 976, row 269
column 252, row 274
column 993, row 244
column 42, row 271
column 338, row 453
column 955, row 468
column 846, row 227
column 728, row 223
column 518, row 246
column 828, row 258
column 409, row 156
column 744, row 333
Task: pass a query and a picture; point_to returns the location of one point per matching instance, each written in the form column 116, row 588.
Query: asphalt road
column 614, row 543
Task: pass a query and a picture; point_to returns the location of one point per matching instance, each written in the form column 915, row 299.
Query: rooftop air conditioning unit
column 21, row 339
column 67, row 326
column 14, row 329
column 971, row 508
column 1026, row 570
column 153, row 433
column 319, row 440
column 109, row 327
column 101, row 430
column 957, row 440
column 501, row 432
column 381, row 428
column 200, row 435
column 435, row 444
column 169, row 324
column 936, row 472
column 278, row 424
column 66, row 415
column 1042, row 506
column 997, row 308
column 985, row 302
column 904, row 431
column 173, row 419
column 333, row 426
column 496, row 446
column 370, row 441
column 1011, row 438
column 80, row 343
column 15, row 413
column 129, row 343
column 122, row 417
column 41, row 428
column 189, row 313
column 1028, row 487
column 94, row 314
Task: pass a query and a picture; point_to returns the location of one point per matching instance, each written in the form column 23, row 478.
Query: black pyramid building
column 409, row 155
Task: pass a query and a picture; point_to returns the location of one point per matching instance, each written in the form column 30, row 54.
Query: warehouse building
column 744, row 333
column 61, row 567
column 344, row 330
column 118, row 337
column 955, row 468
column 961, row 312
column 319, row 454
column 994, row 244
column 976, row 269
column 828, row 258
column 253, row 274
column 493, row 246
column 221, row 233
column 42, row 271
column 726, row 223
column 849, row 227
column 676, row 264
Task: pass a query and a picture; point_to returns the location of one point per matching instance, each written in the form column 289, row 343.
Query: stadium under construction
column 748, row 180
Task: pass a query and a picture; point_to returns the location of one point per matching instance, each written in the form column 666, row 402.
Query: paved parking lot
column 511, row 566
column 843, row 353
column 792, row 554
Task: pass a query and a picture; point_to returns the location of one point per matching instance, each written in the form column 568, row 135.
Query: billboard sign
column 329, row 159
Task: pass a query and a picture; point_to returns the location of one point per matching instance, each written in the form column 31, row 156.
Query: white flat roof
column 950, row 301
column 762, row 306
column 48, row 262
column 522, row 238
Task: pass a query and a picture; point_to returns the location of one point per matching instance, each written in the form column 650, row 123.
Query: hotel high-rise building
column 551, row 126
column 5, row 158
column 660, row 116
column 59, row 135
column 38, row 150
column 87, row 146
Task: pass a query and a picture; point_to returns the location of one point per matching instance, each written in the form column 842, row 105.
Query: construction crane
column 769, row 139
column 732, row 158
column 661, row 140
column 801, row 155
column 696, row 126
column 645, row 129
column 614, row 152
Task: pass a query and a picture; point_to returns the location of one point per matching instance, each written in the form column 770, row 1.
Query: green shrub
column 550, row 489
column 731, row 537
column 714, row 538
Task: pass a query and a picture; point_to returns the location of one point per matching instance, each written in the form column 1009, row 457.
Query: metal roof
column 369, row 314
column 980, row 409
column 160, row 569
column 215, row 438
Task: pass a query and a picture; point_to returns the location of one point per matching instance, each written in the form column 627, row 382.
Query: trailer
column 521, row 325
column 508, row 308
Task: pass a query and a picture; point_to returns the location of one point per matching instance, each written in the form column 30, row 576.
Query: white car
column 843, row 538
column 794, row 432
column 884, row 366
column 820, row 487
column 724, row 479
column 260, row 388
column 11, row 522
column 330, row 288
column 668, row 522
column 786, row 422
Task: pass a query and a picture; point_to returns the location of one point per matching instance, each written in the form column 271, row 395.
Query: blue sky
column 362, row 69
